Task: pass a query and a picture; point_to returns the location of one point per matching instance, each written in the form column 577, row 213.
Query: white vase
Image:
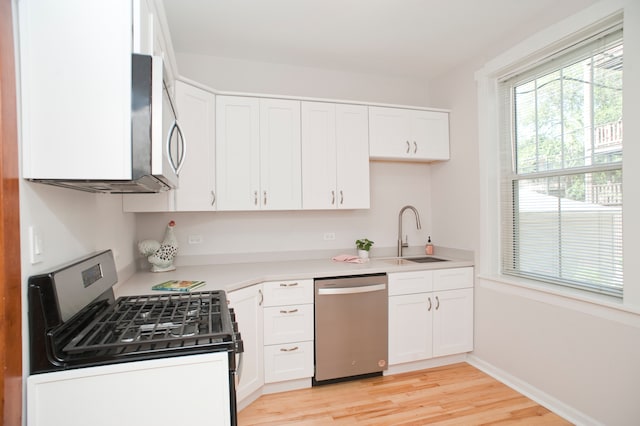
column 363, row 254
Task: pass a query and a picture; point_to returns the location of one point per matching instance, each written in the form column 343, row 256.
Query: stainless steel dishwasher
column 351, row 326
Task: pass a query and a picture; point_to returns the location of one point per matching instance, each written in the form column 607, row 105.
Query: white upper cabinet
column 76, row 89
column 335, row 156
column 408, row 134
column 258, row 153
column 196, row 115
column 196, row 191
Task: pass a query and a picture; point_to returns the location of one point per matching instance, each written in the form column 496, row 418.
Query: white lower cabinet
column 430, row 314
column 288, row 362
column 288, row 330
column 410, row 328
column 247, row 304
column 133, row 393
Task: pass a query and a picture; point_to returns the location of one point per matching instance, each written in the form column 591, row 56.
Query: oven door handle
column 351, row 290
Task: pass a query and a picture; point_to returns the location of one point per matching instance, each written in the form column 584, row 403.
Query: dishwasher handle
column 351, row 290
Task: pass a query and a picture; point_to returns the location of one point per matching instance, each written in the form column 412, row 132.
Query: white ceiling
column 406, row 38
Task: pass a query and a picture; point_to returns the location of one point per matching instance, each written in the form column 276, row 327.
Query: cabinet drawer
column 285, row 324
column 295, row 292
column 410, row 282
column 288, row 362
column 451, row 279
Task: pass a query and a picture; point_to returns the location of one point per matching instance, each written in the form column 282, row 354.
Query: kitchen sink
column 426, row 259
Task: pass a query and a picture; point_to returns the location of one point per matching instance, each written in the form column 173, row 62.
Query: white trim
column 425, row 364
column 535, row 47
column 558, row 407
column 605, row 307
column 303, row 98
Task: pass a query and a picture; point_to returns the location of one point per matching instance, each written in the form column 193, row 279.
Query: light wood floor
column 456, row 394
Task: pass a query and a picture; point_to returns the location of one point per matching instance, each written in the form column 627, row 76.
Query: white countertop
column 233, row 276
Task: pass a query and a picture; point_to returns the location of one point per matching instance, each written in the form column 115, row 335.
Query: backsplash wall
column 393, row 185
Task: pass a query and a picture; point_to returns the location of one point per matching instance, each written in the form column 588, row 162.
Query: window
column 561, row 187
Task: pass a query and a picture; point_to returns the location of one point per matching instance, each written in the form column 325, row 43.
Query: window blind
column 561, row 187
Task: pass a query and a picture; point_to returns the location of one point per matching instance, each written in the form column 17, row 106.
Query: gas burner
column 186, row 330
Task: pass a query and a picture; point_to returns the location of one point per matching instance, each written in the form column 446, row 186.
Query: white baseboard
column 558, row 407
column 423, row 365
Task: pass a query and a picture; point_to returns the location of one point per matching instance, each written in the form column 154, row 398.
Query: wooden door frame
column 10, row 275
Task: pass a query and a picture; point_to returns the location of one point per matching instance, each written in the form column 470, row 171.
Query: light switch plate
column 36, row 245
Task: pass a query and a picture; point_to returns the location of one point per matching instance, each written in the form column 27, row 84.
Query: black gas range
column 75, row 321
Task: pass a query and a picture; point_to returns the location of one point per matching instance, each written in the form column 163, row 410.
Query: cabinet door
column 76, row 89
column 410, row 327
column 283, row 293
column 118, row 394
column 430, row 135
column 286, row 324
column 196, row 115
column 452, row 279
column 288, row 362
column 410, row 282
column 280, row 163
column 319, row 155
column 453, row 322
column 352, row 157
column 238, row 153
column 247, row 304
column 389, row 133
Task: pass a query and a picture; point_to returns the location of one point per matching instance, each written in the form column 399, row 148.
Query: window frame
column 510, row 177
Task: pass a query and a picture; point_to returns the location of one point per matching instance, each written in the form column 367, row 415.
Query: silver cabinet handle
column 437, row 303
column 213, row 198
column 261, row 297
column 415, row 147
column 291, row 311
column 429, row 310
column 264, row 193
column 288, row 284
column 295, row 348
column 333, row 197
column 351, row 290
column 255, row 198
column 341, row 197
column 408, row 147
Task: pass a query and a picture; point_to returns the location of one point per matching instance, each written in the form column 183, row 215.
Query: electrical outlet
column 195, row 239
column 329, row 236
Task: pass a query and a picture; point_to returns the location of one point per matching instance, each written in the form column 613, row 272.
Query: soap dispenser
column 429, row 247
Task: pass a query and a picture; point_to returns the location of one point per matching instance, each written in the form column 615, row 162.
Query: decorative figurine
column 161, row 255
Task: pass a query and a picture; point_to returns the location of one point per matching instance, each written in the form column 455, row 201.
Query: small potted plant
column 364, row 245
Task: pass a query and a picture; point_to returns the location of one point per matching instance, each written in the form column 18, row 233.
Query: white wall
column 393, row 185
column 233, row 75
column 579, row 357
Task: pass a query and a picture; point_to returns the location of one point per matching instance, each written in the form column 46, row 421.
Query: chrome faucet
column 401, row 244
